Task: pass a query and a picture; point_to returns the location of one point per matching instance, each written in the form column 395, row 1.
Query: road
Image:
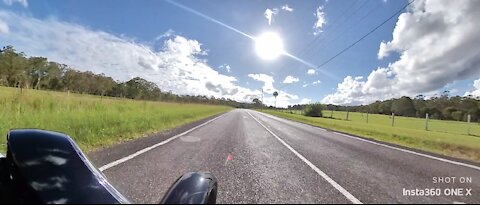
column 280, row 161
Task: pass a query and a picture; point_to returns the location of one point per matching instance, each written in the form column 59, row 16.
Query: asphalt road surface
column 275, row 160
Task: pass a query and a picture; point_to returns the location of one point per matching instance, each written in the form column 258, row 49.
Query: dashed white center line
column 347, row 194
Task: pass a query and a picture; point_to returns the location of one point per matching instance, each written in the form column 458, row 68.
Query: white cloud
column 3, row 27
column 437, row 46
column 305, row 85
column 305, row 101
column 283, row 100
column 311, row 71
column 287, row 8
column 321, row 21
column 24, row 3
column 177, row 66
column 226, row 67
column 266, row 79
column 476, row 92
column 269, row 13
column 169, row 33
column 316, row 82
column 290, row 79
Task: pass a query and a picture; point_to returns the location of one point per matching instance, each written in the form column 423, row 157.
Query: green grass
column 448, row 138
column 92, row 121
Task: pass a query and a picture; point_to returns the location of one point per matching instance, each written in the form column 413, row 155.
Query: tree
column 385, row 107
column 313, row 110
column 457, row 115
column 403, row 107
column 38, row 71
column 257, row 103
column 12, row 67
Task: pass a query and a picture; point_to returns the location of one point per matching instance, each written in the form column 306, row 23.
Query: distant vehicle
column 48, row 167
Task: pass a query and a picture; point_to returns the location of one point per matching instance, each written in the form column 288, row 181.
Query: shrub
column 313, row 110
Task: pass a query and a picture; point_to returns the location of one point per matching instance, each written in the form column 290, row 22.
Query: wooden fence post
column 393, row 119
column 426, row 122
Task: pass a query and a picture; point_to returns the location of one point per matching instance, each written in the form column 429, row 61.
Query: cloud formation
column 320, row 22
column 305, row 101
column 226, row 67
column 283, row 100
column 177, row 66
column 476, row 91
column 24, row 3
column 286, row 7
column 269, row 13
column 311, row 71
column 438, row 45
column 290, row 79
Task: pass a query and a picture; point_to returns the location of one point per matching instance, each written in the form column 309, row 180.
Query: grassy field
column 448, row 138
column 93, row 121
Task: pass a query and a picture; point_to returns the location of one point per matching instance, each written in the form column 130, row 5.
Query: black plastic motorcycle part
column 48, row 167
column 193, row 188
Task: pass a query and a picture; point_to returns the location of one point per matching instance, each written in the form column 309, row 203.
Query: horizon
column 208, row 48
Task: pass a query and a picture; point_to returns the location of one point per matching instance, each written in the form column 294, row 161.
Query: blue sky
column 163, row 30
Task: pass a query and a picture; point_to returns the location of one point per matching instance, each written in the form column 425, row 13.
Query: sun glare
column 269, row 45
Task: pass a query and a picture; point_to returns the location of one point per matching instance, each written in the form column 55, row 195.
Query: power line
column 342, row 33
column 308, row 46
column 318, row 37
column 339, row 26
column 364, row 36
column 342, row 19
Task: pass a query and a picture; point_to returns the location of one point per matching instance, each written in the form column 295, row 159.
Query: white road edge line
column 396, row 148
column 311, row 165
column 129, row 157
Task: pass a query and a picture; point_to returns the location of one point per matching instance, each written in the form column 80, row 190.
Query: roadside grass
column 93, row 121
column 447, row 138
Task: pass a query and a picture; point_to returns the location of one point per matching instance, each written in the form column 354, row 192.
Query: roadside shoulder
column 112, row 153
column 382, row 143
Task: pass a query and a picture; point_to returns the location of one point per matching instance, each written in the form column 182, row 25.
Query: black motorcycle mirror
column 192, row 188
column 48, row 167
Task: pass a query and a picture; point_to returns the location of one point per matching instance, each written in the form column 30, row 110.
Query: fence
column 454, row 127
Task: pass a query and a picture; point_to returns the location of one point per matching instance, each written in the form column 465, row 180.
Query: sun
column 269, row 45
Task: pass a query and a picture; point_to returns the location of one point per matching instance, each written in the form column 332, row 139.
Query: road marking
column 229, row 158
column 311, row 165
column 288, row 120
column 129, row 157
column 392, row 147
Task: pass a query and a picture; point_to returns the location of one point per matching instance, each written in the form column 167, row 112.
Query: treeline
column 443, row 107
column 18, row 70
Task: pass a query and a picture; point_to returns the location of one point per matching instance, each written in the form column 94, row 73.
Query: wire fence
column 446, row 126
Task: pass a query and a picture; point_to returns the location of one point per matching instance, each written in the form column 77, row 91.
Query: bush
column 313, row 110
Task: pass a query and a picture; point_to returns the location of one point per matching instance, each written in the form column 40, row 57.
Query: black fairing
column 192, row 188
column 48, row 167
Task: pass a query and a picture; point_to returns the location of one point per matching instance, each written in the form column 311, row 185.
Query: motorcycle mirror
column 49, row 167
column 193, row 188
